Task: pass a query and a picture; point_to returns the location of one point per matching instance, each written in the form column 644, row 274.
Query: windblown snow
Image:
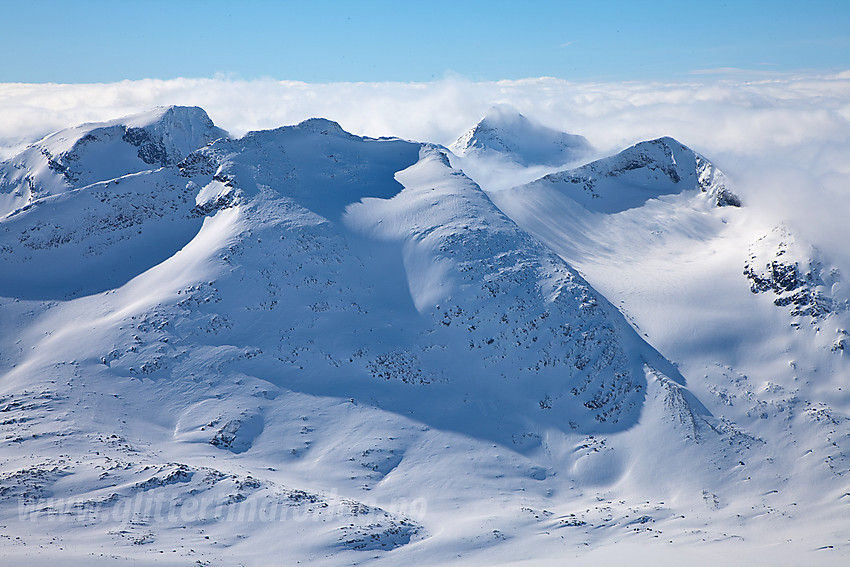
column 506, row 133
column 303, row 345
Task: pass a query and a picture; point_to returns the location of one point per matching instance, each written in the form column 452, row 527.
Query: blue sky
column 326, row 41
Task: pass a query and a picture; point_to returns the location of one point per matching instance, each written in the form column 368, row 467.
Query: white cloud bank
column 783, row 141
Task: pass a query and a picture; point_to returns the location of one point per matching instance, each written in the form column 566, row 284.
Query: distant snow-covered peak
column 507, row 133
column 322, row 126
column 644, row 171
column 162, row 136
column 85, row 154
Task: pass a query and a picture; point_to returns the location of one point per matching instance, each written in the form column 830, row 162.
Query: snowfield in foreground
column 303, row 345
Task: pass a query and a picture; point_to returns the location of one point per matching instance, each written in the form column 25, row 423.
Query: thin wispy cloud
column 729, row 71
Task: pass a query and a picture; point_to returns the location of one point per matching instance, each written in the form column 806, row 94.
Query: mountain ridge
column 646, row 170
column 346, row 349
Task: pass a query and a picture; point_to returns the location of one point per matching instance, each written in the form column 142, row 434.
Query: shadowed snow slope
column 310, row 345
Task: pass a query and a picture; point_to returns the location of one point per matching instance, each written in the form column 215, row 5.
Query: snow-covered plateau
column 307, row 346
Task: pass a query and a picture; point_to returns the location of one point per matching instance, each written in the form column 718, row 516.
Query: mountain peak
column 506, row 132
column 171, row 113
column 78, row 156
column 308, row 127
column 644, row 171
column 322, row 126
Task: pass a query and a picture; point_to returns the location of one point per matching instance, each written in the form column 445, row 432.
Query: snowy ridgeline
column 202, row 332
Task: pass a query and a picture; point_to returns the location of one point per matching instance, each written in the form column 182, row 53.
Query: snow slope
column 304, row 345
column 755, row 317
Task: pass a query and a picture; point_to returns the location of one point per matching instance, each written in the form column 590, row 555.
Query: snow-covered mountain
column 755, row 316
column 507, row 134
column 644, row 171
column 311, row 345
column 90, row 153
